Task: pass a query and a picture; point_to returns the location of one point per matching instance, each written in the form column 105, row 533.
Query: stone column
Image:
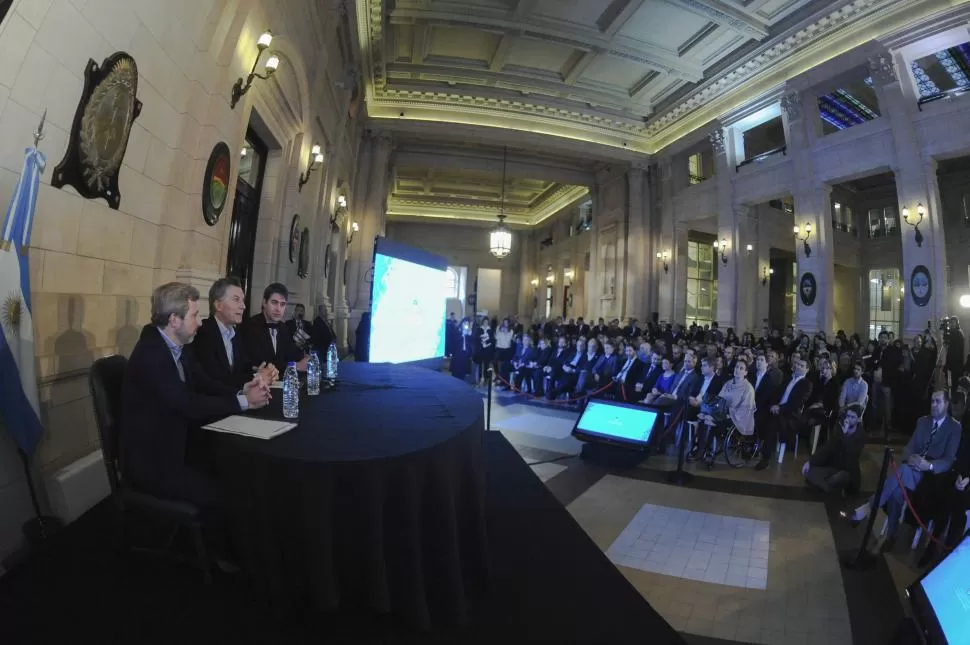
column 678, row 272
column 812, row 208
column 323, row 233
column 370, row 217
column 727, row 231
column 916, row 183
column 667, row 243
column 639, row 269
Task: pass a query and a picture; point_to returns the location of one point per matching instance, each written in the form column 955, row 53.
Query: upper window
column 766, row 137
column 249, row 163
column 883, row 221
column 700, row 168
column 849, row 105
column 943, row 71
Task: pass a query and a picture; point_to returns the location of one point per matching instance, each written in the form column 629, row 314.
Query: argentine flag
column 19, row 411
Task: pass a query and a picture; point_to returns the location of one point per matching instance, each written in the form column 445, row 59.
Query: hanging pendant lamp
column 500, row 239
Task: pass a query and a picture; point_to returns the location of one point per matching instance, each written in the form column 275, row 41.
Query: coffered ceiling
column 631, row 74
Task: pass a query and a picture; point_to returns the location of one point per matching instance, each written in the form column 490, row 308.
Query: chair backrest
column 105, row 378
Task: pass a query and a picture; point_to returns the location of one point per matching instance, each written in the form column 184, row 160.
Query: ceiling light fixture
column 500, row 239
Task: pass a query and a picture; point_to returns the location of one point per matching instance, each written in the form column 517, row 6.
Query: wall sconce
column 921, row 212
column 338, row 213
column 965, row 301
column 551, row 278
column 765, row 273
column 749, row 249
column 241, row 87
column 534, row 282
column 723, row 248
column 569, row 274
column 664, row 257
column 243, row 153
column 313, row 162
column 808, row 233
column 354, row 227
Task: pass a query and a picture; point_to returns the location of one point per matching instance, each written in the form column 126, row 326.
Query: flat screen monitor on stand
column 941, row 599
column 620, row 433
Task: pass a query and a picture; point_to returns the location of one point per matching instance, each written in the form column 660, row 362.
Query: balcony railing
column 761, row 157
column 881, row 232
column 948, row 94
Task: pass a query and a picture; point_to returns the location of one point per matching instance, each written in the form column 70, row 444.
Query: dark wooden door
column 245, row 215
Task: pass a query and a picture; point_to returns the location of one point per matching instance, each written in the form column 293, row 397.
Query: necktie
column 926, row 446
column 180, row 367
column 273, row 330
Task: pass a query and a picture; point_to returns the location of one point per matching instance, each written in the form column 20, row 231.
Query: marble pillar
column 667, row 246
column 726, row 255
column 639, row 269
column 924, row 257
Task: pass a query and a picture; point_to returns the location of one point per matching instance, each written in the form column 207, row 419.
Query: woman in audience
column 823, row 404
column 739, row 395
column 504, row 349
column 664, row 382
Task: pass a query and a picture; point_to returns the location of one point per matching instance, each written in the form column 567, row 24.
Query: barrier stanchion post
column 488, row 407
column 680, row 477
column 863, row 558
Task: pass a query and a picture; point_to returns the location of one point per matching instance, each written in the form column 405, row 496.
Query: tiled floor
column 698, row 546
column 691, row 550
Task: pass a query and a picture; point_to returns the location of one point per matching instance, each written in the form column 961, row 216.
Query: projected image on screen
column 632, row 425
column 408, row 311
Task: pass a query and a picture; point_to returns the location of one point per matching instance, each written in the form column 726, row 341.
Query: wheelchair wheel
column 740, row 450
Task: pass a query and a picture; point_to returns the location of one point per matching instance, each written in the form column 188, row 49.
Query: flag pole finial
column 39, row 133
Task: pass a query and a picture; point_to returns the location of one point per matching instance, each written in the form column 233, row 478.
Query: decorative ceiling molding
column 440, row 208
column 565, row 107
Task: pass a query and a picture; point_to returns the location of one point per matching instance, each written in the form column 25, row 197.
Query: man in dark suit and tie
column 766, row 380
column 627, row 375
column 524, row 362
column 606, row 366
column 217, row 347
column 703, row 389
column 543, row 356
column 265, row 337
column 570, row 369
column 166, row 393
column 582, row 328
column 785, row 415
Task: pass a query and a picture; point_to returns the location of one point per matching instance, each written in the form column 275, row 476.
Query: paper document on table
column 250, row 427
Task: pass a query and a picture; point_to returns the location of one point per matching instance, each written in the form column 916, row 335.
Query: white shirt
column 791, row 386
column 626, row 368
column 707, row 384
column 228, row 333
column 758, row 377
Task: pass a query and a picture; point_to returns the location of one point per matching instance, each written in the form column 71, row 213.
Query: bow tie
column 272, row 325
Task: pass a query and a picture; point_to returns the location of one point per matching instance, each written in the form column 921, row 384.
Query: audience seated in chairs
column 607, row 365
column 931, row 451
column 569, row 371
column 834, row 468
column 585, row 379
column 738, row 394
column 523, row 363
column 681, row 386
column 855, row 389
column 823, row 403
column 626, row 376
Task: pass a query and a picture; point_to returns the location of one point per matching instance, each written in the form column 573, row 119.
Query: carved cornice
column 434, row 208
column 717, row 141
column 883, row 69
column 798, row 50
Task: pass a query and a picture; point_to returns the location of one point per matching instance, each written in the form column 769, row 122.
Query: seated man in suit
column 543, row 356
column 553, row 367
column 703, row 389
column 524, row 362
column 606, row 366
column 217, row 347
column 651, row 372
column 570, row 370
column 785, row 415
column 766, row 380
column 322, row 335
column 626, row 376
column 166, row 393
column 299, row 328
column 265, row 337
column 682, row 385
column 931, row 450
column 835, row 465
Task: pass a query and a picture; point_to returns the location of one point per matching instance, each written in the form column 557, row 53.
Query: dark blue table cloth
column 376, row 499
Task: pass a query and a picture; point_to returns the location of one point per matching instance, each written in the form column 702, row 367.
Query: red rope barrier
column 912, row 510
column 555, row 401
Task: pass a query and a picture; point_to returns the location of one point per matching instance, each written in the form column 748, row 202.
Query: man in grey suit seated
column 932, row 450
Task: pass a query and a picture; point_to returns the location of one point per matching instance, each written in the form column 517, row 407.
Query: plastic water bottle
column 291, row 392
column 313, row 375
column 333, row 360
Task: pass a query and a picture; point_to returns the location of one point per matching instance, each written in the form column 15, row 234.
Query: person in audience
column 461, row 361
column 651, row 371
column 823, row 404
column 626, row 376
column 632, row 330
column 946, row 500
column 682, row 384
column 218, row 348
column 322, row 334
column 265, row 337
column 485, row 349
column 739, row 395
column 583, row 329
column 524, row 363
column 570, row 370
column 785, row 415
column 452, row 333
column 835, row 465
column 606, row 366
column 704, row 389
column 585, row 374
column 299, row 328
column 766, row 379
column 664, row 382
column 552, row 371
column 166, row 394
column 931, row 450
column 855, row 389
column 543, row 356
column 504, row 348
